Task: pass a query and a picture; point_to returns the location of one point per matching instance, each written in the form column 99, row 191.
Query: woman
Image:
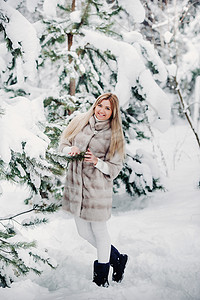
column 89, row 183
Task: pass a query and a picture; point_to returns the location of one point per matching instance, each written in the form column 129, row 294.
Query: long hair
column 81, row 120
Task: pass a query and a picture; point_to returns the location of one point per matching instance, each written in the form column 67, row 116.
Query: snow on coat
column 88, row 192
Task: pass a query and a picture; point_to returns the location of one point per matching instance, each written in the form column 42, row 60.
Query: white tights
column 97, row 235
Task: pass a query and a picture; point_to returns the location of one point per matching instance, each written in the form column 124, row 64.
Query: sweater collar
column 99, row 125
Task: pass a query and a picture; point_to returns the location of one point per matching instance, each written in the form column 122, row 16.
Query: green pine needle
column 79, row 157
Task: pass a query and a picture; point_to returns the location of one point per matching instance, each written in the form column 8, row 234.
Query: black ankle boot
column 101, row 271
column 118, row 262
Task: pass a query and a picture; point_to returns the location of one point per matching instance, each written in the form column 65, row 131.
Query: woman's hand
column 74, row 150
column 89, row 157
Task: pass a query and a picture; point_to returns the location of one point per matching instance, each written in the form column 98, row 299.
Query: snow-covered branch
column 185, row 111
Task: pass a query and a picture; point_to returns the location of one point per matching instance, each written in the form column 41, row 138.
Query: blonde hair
column 81, row 120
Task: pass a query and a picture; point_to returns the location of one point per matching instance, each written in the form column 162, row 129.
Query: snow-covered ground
column 160, row 233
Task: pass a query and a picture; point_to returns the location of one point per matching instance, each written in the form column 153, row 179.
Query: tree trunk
column 72, row 85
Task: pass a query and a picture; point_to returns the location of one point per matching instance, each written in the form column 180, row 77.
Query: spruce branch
column 79, row 157
column 37, row 208
column 35, row 221
column 19, row 214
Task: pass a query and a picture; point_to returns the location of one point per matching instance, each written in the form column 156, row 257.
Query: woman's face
column 103, row 110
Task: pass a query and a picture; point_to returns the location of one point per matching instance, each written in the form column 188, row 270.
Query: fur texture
column 88, row 192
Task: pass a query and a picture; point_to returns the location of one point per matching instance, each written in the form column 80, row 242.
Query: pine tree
column 23, row 143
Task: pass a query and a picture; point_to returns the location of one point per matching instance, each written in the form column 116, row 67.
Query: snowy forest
column 56, row 58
